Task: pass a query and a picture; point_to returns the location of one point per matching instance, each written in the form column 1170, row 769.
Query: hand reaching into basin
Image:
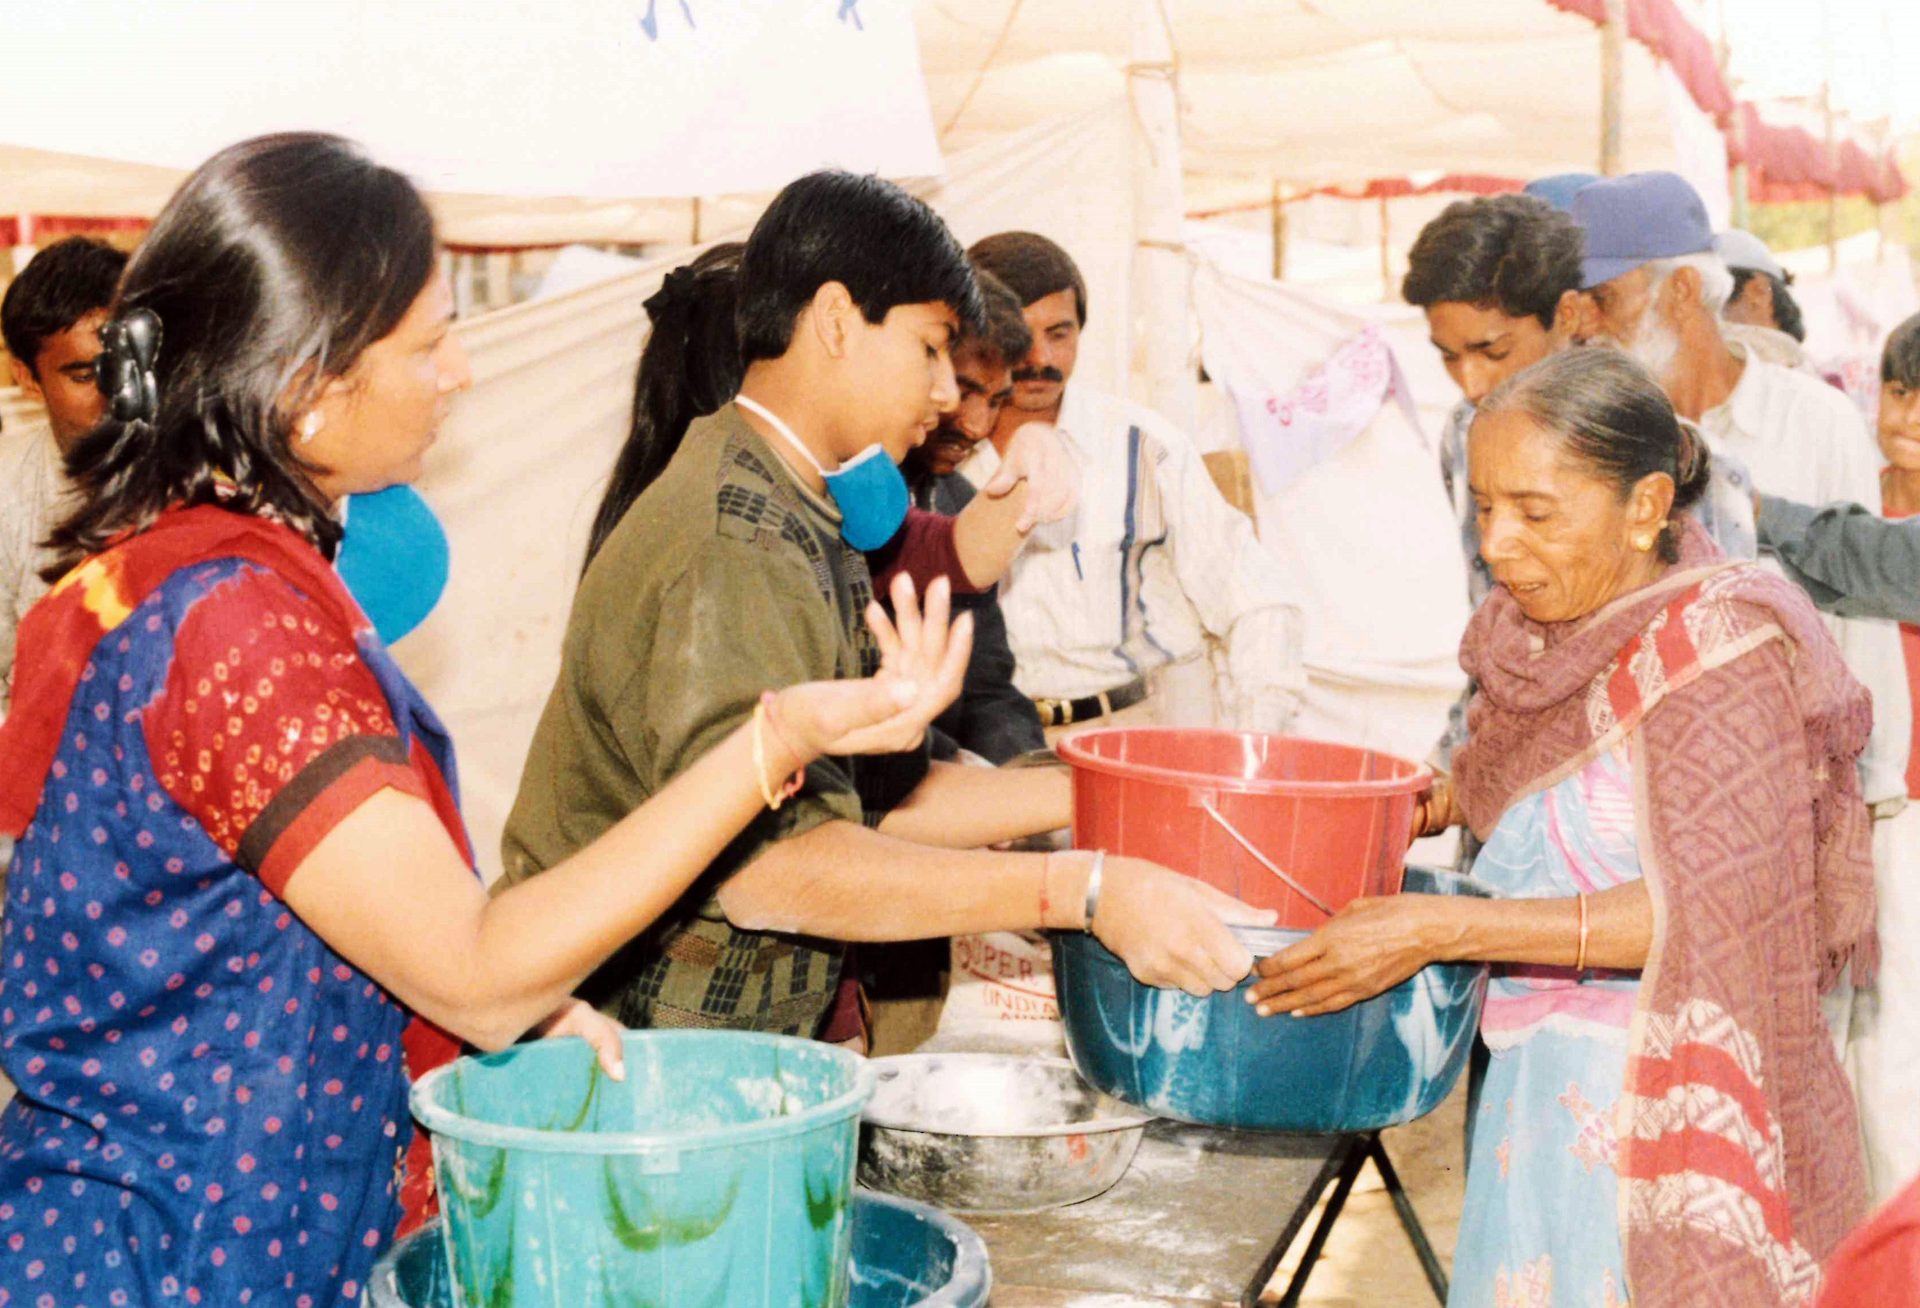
column 576, row 1017
column 1171, row 930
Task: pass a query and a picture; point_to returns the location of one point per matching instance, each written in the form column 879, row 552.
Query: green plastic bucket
column 720, row 1172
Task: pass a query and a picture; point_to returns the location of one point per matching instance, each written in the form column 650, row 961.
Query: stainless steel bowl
column 993, row 1133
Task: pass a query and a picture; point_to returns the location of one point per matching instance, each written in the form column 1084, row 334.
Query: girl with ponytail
column 689, row 368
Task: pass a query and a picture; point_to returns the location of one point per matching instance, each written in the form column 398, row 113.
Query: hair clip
column 129, row 346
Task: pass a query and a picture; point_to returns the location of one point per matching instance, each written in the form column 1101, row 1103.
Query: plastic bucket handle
column 1206, row 806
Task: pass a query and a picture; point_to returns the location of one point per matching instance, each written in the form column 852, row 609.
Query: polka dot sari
column 212, row 1102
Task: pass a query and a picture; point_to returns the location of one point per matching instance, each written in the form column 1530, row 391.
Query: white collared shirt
column 1804, row 440
column 33, row 482
column 1152, row 564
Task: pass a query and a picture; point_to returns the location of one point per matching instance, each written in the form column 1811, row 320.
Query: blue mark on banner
column 650, row 21
column 849, row 11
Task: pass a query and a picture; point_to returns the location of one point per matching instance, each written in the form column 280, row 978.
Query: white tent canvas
column 596, row 99
column 1309, row 93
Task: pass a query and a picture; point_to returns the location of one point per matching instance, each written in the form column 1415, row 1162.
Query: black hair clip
column 124, row 370
column 673, row 289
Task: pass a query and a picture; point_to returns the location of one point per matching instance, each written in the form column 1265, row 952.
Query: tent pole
column 1279, row 235
column 1736, row 127
column 1386, row 253
column 1740, row 184
column 1833, row 182
column 1162, row 311
column 1833, row 143
column 1613, row 57
column 499, row 274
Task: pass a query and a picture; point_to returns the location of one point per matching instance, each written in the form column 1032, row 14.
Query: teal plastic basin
column 720, row 1172
column 905, row 1255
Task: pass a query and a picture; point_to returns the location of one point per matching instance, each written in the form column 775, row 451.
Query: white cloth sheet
column 601, row 99
column 1364, row 540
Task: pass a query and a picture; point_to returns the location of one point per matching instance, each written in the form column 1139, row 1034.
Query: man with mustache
column 1658, row 290
column 991, row 718
column 1116, row 613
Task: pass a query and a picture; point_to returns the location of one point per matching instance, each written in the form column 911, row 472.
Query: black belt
column 1066, row 712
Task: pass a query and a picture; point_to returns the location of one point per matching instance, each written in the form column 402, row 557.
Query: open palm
column 923, row 661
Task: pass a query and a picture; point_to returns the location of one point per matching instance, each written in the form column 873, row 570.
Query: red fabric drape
column 1662, row 28
column 1787, row 162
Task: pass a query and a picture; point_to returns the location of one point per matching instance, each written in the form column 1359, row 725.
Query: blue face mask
column 867, row 489
column 393, row 558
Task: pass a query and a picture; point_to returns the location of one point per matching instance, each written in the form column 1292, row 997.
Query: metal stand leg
column 1409, row 1220
column 1343, row 1169
column 1352, row 1160
column 1336, row 1162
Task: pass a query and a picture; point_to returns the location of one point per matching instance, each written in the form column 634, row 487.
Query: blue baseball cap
column 1559, row 189
column 1635, row 219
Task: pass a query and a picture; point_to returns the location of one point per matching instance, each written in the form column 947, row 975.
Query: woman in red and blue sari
column 243, row 907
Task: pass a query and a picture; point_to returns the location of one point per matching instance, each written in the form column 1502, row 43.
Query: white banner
column 591, row 98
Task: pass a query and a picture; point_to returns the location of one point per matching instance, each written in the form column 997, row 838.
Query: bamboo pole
column 1833, row 185
column 499, row 274
column 1162, row 310
column 1613, row 58
column 1386, row 251
column 1740, row 183
column 1737, row 174
column 1833, row 142
column 1279, row 217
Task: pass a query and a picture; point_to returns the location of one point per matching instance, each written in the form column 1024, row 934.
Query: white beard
column 1655, row 345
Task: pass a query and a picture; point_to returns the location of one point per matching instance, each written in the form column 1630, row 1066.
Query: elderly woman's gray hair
column 1609, row 413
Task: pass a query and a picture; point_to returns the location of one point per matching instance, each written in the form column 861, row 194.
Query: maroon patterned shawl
column 1739, row 1160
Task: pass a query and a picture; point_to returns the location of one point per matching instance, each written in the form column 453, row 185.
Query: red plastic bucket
column 1231, row 807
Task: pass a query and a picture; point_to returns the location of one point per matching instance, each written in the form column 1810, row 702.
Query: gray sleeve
column 1853, row 563
column 11, row 579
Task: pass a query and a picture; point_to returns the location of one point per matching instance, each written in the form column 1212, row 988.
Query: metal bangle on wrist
column 1093, row 887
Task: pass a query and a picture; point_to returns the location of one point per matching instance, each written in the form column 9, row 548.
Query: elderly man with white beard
column 1657, row 290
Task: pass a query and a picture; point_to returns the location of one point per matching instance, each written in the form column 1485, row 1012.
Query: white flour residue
column 766, row 1096
column 984, row 1094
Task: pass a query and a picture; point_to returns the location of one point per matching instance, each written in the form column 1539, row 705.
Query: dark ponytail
column 689, row 368
column 1693, row 468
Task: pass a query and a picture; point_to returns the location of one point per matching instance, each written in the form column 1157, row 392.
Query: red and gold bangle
column 1580, row 954
column 764, row 710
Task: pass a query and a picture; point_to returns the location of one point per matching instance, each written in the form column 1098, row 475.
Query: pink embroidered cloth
column 1739, row 1161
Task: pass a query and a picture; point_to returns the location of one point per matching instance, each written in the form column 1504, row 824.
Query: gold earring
column 1643, row 543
